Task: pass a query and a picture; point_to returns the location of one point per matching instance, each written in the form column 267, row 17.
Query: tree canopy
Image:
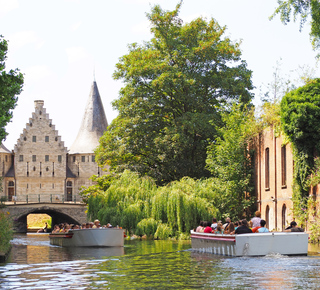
column 10, row 86
column 304, row 9
column 300, row 114
column 175, row 87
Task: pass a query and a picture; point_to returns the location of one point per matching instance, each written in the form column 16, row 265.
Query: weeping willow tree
column 142, row 208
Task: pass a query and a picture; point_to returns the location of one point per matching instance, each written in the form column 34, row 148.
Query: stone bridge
column 72, row 213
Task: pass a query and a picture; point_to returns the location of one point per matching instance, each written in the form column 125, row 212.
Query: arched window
column 284, row 216
column 267, row 169
column 267, row 216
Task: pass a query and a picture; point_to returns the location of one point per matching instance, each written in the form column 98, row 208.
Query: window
column 34, row 158
column 20, row 158
column 74, row 158
column 47, row 158
column 93, row 159
column 267, row 216
column 11, row 183
column 284, row 216
column 59, row 158
column 69, row 183
column 283, row 166
column 46, row 138
column 34, row 138
column 267, row 169
column 83, row 158
column 6, row 158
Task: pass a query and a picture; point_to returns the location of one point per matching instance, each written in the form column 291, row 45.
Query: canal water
column 35, row 264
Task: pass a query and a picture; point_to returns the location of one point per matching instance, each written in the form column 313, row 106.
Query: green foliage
column 304, row 9
column 10, row 86
column 139, row 206
column 5, row 232
column 163, row 232
column 300, row 113
column 175, row 85
column 230, row 162
column 147, row 226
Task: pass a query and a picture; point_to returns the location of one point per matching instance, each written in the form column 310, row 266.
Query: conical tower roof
column 94, row 123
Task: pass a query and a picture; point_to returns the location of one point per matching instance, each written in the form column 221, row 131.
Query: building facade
column 273, row 174
column 41, row 168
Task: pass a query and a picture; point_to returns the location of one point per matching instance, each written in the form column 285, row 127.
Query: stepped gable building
column 42, row 167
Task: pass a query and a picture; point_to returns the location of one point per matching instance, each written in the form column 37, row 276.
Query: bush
column 5, row 233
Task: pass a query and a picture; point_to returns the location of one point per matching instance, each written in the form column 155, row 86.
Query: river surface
column 35, row 264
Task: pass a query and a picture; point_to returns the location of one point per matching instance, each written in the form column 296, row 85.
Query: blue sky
column 59, row 44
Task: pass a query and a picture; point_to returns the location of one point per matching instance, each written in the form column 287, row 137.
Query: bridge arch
column 60, row 213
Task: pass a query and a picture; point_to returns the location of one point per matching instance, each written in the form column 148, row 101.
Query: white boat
column 101, row 237
column 255, row 244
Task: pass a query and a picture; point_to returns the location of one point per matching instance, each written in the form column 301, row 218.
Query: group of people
column 65, row 227
column 255, row 225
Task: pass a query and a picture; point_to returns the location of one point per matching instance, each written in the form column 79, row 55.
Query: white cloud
column 76, row 53
column 22, row 38
column 7, row 6
column 75, row 26
column 36, row 73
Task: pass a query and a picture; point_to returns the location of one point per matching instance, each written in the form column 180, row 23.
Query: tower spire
column 93, row 125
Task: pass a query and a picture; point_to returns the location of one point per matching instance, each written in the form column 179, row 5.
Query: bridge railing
column 40, row 198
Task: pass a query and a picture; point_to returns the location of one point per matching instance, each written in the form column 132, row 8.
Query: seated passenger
column 56, row 229
column 294, row 228
column 96, row 224
column 219, row 229
column 109, row 225
column 228, row 221
column 263, row 228
column 207, row 229
column 199, row 227
column 230, row 229
column 83, row 226
column 256, row 220
column 243, row 228
column 214, row 224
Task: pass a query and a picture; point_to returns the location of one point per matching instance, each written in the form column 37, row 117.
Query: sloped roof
column 3, row 149
column 93, row 125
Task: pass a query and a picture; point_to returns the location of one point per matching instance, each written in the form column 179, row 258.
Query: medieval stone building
column 41, row 168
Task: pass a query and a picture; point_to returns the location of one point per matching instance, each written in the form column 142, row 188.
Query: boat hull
column 257, row 244
column 89, row 238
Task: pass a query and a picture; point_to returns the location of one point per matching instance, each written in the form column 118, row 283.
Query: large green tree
column 175, row 86
column 10, row 86
column 307, row 10
column 230, row 161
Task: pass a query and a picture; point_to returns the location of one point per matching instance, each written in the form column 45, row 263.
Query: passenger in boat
column 236, row 225
column 207, row 229
column 96, row 224
column 228, row 221
column 109, row 226
column 230, row 229
column 255, row 229
column 250, row 225
column 83, row 226
column 214, row 224
column 294, row 228
column 200, row 227
column 56, row 229
column 256, row 220
column 263, row 228
column 243, row 228
column 219, row 229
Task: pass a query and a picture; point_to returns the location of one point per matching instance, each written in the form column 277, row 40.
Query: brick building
column 41, row 167
column 273, row 169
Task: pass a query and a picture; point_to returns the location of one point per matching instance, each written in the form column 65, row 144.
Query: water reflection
column 35, row 264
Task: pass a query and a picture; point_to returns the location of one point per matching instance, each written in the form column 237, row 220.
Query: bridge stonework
column 60, row 213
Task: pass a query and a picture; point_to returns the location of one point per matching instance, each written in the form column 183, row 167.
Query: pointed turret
column 94, row 123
